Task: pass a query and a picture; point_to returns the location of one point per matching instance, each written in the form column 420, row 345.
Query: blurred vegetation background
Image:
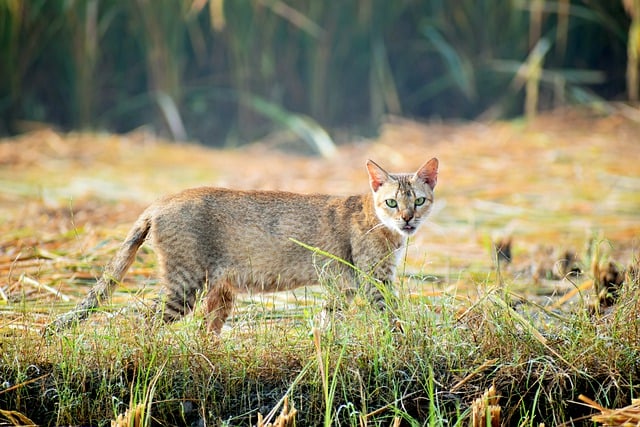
column 225, row 72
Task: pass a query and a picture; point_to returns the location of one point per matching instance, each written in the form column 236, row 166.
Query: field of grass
column 533, row 331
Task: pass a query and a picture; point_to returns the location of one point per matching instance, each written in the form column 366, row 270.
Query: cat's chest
column 379, row 244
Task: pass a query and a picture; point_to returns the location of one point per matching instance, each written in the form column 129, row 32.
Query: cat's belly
column 250, row 280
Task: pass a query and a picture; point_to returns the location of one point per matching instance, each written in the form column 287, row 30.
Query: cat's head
column 402, row 201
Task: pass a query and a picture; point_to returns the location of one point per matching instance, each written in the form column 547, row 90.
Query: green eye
column 391, row 203
column 419, row 201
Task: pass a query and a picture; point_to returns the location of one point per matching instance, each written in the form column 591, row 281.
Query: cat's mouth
column 408, row 228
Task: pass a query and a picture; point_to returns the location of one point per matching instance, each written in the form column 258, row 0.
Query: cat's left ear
column 377, row 175
column 428, row 173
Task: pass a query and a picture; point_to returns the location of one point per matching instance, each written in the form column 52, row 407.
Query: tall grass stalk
column 329, row 382
column 302, row 126
column 633, row 50
column 143, row 388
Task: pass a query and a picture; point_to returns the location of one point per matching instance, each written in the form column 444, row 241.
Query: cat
column 226, row 241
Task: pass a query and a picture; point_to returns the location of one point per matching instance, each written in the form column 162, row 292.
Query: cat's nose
column 407, row 215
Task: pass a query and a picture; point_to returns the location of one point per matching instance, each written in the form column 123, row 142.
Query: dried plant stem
column 25, row 280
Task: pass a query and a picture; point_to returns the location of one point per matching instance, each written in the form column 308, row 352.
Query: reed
column 187, row 67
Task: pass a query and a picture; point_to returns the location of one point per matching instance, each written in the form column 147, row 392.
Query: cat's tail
column 113, row 274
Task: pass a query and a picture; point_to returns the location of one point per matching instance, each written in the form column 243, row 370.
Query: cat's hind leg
column 219, row 304
column 180, row 282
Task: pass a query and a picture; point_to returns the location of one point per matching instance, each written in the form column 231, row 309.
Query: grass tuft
column 359, row 371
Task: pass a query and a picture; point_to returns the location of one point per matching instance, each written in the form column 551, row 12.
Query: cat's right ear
column 377, row 175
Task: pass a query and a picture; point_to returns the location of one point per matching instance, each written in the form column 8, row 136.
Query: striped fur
column 228, row 242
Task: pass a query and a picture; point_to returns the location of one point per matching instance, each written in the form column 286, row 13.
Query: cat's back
column 212, row 202
column 259, row 215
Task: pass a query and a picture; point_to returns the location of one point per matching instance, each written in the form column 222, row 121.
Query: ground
column 568, row 182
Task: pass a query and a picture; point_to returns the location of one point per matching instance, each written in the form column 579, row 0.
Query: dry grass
column 565, row 183
column 628, row 416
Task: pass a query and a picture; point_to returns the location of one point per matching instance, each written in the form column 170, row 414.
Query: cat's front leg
column 380, row 293
column 378, row 282
column 340, row 290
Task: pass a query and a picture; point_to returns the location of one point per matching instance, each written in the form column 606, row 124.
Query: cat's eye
column 391, row 203
column 420, row 201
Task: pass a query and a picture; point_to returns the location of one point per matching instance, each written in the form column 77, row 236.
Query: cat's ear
column 428, row 173
column 377, row 175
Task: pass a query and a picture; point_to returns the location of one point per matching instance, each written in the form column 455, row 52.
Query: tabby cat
column 226, row 241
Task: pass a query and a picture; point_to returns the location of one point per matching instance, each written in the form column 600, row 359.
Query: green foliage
column 186, row 66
